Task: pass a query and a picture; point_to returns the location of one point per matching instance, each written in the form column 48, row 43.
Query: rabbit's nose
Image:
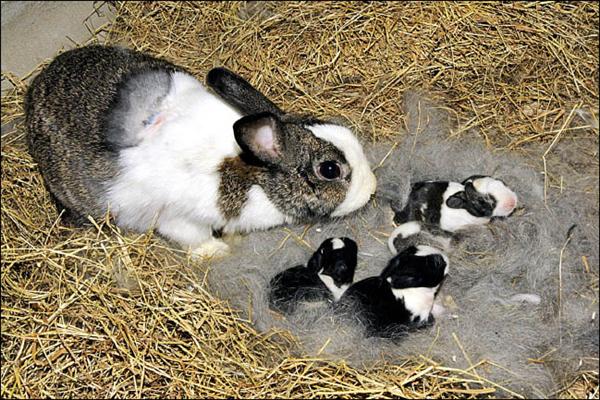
column 509, row 204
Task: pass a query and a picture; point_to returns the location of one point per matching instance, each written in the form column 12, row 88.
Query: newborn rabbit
column 327, row 275
column 451, row 206
column 115, row 129
column 401, row 298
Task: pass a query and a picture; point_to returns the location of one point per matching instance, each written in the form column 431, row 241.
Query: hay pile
column 95, row 313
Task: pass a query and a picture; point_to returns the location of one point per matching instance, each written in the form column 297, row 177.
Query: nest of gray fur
column 97, row 312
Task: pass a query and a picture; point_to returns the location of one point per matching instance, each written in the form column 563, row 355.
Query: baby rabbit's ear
column 239, row 93
column 314, row 263
column 259, row 136
column 401, row 281
column 351, row 246
column 457, row 200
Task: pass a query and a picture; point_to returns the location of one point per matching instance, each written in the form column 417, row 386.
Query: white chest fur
column 336, row 291
column 419, row 301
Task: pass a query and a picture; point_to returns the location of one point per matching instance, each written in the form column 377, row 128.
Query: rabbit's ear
column 259, row 136
column 315, row 261
column 457, row 200
column 236, row 91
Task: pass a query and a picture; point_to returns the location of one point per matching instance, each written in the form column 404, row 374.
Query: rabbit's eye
column 329, row 170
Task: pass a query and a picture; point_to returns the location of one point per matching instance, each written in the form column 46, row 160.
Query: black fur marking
column 302, row 283
column 475, row 203
column 372, row 302
column 217, row 233
column 239, row 93
column 472, row 178
column 430, row 193
column 410, row 270
column 339, row 264
column 294, row 285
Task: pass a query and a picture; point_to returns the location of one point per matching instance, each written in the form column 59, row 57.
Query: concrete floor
column 33, row 31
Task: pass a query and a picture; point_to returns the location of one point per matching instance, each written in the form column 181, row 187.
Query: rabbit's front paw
column 212, row 248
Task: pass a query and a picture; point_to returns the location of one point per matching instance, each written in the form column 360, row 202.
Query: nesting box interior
column 434, row 91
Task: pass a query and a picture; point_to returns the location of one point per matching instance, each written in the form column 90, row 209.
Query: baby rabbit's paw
column 438, row 310
column 212, row 248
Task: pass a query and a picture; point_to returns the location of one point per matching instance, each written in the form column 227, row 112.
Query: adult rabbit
column 119, row 130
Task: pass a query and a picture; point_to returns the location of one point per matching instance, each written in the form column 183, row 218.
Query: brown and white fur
column 113, row 129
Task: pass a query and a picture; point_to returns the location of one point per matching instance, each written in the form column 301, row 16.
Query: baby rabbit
column 451, row 206
column 115, row 129
column 327, row 275
column 401, row 298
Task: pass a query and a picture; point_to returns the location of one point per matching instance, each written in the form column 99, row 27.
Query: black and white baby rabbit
column 328, row 273
column 451, row 206
column 114, row 129
column 399, row 299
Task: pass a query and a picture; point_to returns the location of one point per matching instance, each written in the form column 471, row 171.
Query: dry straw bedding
column 96, row 312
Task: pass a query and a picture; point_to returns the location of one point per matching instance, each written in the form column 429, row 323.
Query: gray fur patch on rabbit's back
column 488, row 266
column 139, row 97
column 69, row 132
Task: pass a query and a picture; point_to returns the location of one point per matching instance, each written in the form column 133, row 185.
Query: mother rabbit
column 114, row 129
